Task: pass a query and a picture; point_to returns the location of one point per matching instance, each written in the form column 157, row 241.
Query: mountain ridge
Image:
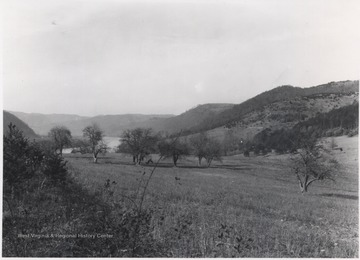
column 284, row 92
column 205, row 117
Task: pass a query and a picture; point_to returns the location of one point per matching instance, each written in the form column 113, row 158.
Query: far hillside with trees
column 341, row 121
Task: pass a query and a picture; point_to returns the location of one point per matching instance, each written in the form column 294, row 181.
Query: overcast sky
column 92, row 57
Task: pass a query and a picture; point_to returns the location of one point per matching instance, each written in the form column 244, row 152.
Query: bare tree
column 312, row 163
column 95, row 137
column 61, row 137
column 173, row 148
column 205, row 147
column 198, row 143
column 212, row 151
column 139, row 142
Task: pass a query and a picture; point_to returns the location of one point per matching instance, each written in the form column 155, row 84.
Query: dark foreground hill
column 10, row 118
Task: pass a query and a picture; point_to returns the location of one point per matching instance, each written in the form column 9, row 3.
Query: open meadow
column 240, row 207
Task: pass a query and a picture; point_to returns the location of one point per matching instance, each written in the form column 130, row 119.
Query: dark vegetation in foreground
column 42, row 199
column 182, row 212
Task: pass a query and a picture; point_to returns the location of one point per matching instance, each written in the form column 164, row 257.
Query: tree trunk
column 175, row 159
column 304, row 189
column 304, row 185
column 95, row 158
column 199, row 162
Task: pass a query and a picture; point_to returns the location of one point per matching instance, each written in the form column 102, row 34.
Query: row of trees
column 92, row 143
column 141, row 142
column 309, row 163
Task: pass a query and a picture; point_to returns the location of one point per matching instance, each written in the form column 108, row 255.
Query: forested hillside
column 189, row 119
column 341, row 121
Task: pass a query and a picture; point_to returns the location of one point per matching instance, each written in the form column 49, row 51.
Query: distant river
column 112, row 142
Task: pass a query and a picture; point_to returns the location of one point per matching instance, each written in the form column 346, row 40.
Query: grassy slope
column 242, row 207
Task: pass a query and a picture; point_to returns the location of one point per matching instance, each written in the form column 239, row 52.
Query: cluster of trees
column 345, row 118
column 139, row 142
column 60, row 138
column 142, row 142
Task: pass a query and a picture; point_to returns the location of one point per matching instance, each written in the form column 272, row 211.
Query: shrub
column 353, row 133
column 21, row 160
column 54, row 168
column 338, row 132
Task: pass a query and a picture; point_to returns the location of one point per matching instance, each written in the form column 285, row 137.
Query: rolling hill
column 280, row 107
column 112, row 125
column 10, row 118
column 188, row 119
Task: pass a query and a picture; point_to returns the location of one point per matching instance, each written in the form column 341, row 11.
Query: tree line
column 140, row 143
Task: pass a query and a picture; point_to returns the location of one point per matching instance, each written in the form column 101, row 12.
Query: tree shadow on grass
column 171, row 165
column 343, row 196
column 233, row 167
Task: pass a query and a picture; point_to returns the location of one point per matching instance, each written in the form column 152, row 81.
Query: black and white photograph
column 180, row 129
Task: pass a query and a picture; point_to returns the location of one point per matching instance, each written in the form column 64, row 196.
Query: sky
column 90, row 57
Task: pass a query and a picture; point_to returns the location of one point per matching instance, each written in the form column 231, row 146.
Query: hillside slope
column 42, row 123
column 188, row 119
column 284, row 114
column 236, row 113
column 10, row 118
column 279, row 107
column 112, row 125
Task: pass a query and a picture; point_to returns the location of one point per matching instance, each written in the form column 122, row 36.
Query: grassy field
column 242, row 207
